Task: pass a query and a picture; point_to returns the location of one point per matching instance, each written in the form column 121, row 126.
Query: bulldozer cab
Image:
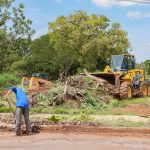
column 122, row 62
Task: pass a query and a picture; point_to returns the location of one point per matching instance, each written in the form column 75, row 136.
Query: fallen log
column 100, row 82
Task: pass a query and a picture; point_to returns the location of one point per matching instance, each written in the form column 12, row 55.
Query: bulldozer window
column 131, row 63
column 116, row 62
column 125, row 64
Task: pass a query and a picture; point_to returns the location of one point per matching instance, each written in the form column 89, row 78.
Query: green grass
column 83, row 118
column 4, row 110
column 144, row 101
column 87, row 114
column 54, row 119
column 124, row 123
column 113, row 108
column 70, row 111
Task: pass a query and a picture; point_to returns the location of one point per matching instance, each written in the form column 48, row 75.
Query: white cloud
column 103, row 3
column 110, row 3
column 137, row 15
column 58, row 1
column 133, row 14
column 125, row 3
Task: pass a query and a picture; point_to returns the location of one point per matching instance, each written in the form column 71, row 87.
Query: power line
column 138, row 1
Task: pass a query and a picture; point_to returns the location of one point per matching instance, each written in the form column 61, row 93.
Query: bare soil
column 77, row 138
column 141, row 110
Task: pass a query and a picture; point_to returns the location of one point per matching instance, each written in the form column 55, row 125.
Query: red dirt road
column 45, row 141
column 48, row 140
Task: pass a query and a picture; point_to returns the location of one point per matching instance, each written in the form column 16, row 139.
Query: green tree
column 40, row 58
column 42, row 54
column 147, row 66
column 15, row 34
column 85, row 41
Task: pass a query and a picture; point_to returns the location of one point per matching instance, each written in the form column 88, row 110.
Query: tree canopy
column 147, row 66
column 85, row 41
column 74, row 42
column 15, row 34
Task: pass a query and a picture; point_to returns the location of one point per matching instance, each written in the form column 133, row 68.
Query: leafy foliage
column 53, row 119
column 7, row 80
column 147, row 66
column 74, row 42
column 15, row 34
column 42, row 56
column 80, row 92
column 85, row 41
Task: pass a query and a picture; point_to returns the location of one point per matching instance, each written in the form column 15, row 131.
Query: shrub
column 8, row 80
column 53, row 119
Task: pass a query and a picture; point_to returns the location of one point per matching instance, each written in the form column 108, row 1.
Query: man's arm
column 7, row 94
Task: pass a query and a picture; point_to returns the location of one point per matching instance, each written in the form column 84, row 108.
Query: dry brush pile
column 75, row 91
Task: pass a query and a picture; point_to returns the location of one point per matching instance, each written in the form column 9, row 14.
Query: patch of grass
column 1, row 103
column 123, row 123
column 40, row 109
column 145, row 101
column 60, row 110
column 4, row 110
column 93, row 119
column 54, row 119
column 113, row 104
column 82, row 118
column 64, row 110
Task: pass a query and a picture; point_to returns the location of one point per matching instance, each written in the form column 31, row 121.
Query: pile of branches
column 72, row 92
column 75, row 90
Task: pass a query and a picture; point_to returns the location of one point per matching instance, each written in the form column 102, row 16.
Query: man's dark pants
column 25, row 112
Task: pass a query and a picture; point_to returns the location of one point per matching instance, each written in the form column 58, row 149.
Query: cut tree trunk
column 100, row 82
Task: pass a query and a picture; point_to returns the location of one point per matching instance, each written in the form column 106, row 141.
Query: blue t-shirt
column 21, row 98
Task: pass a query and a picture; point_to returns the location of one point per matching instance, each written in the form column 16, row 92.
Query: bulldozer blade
column 106, row 76
column 109, row 80
column 113, row 79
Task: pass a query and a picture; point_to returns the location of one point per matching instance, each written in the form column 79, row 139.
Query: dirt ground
column 79, row 140
column 141, row 110
column 81, row 137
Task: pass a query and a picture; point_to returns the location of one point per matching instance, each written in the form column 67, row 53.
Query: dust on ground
column 48, row 140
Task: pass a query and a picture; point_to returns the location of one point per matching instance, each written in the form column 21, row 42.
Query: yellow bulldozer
column 38, row 82
column 127, row 82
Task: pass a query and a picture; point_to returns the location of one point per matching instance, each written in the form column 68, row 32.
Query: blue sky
column 134, row 18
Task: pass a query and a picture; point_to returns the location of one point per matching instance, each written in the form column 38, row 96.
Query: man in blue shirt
column 22, row 108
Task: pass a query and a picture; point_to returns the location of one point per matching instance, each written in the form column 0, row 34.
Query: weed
column 40, row 109
column 113, row 104
column 83, row 118
column 60, row 110
column 54, row 119
column 4, row 110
